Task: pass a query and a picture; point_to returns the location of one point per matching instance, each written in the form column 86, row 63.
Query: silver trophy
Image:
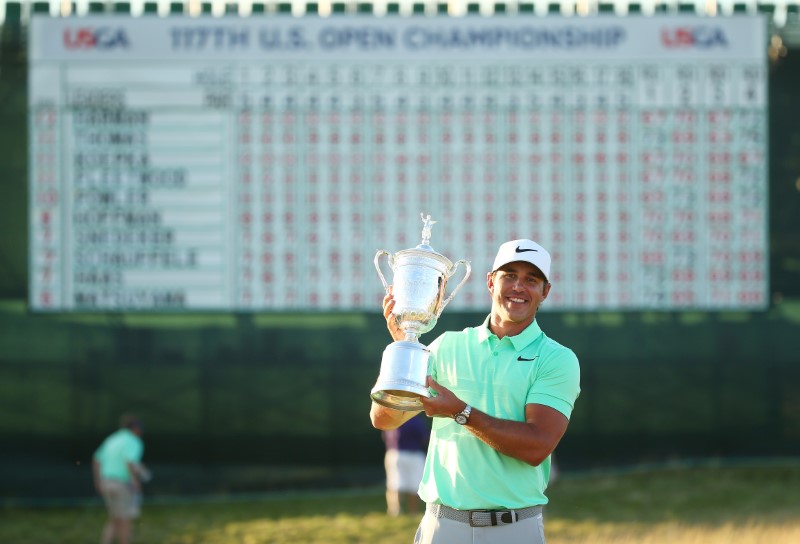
column 420, row 279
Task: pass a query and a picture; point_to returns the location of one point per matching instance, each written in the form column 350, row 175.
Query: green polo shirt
column 116, row 451
column 498, row 377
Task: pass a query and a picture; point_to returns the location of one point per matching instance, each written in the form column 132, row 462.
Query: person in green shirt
column 118, row 475
column 502, row 396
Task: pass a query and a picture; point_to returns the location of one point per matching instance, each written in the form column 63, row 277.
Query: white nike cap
column 523, row 250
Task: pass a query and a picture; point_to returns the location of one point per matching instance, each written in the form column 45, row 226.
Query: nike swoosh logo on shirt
column 521, row 358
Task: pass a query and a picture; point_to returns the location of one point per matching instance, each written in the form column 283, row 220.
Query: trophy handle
column 468, row 269
column 378, row 266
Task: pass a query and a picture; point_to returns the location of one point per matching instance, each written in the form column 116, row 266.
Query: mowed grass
column 741, row 505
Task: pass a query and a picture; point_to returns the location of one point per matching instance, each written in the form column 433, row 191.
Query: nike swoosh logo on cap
column 521, row 250
column 521, row 358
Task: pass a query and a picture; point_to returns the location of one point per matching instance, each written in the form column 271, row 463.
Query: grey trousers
column 433, row 530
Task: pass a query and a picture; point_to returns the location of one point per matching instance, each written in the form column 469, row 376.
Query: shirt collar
column 523, row 339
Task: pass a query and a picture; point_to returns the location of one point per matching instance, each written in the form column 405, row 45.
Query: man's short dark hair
column 130, row 420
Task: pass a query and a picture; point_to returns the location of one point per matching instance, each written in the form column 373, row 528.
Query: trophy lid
column 424, row 250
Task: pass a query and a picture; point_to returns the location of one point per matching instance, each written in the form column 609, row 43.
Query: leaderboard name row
column 393, row 85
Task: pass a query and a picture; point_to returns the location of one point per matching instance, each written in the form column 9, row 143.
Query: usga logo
column 702, row 37
column 95, row 38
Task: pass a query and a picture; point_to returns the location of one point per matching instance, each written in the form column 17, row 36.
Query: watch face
column 461, row 419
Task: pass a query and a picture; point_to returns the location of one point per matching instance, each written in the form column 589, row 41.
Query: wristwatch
column 463, row 416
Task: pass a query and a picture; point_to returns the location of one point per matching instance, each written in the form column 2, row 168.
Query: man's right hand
column 391, row 322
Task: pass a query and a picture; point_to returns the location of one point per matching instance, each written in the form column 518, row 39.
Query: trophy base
column 401, row 383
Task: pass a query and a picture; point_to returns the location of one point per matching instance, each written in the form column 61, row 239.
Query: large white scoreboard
column 258, row 164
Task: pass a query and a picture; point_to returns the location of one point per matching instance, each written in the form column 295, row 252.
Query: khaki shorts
column 404, row 470
column 120, row 499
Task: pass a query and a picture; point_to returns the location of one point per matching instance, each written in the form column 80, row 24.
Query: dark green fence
column 292, row 390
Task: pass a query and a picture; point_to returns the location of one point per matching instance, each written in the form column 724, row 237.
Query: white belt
column 484, row 518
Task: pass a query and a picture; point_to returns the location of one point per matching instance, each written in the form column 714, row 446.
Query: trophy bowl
column 420, row 280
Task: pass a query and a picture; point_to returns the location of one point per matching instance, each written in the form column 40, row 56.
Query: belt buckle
column 496, row 517
column 506, row 517
column 487, row 521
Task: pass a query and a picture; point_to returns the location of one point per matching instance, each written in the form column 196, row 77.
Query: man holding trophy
column 500, row 395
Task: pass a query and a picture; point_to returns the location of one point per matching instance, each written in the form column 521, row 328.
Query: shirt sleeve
column 557, row 382
column 134, row 451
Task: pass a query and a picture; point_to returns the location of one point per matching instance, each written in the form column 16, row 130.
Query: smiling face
column 517, row 290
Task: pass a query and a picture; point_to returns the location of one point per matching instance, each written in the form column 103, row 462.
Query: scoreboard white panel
column 258, row 164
